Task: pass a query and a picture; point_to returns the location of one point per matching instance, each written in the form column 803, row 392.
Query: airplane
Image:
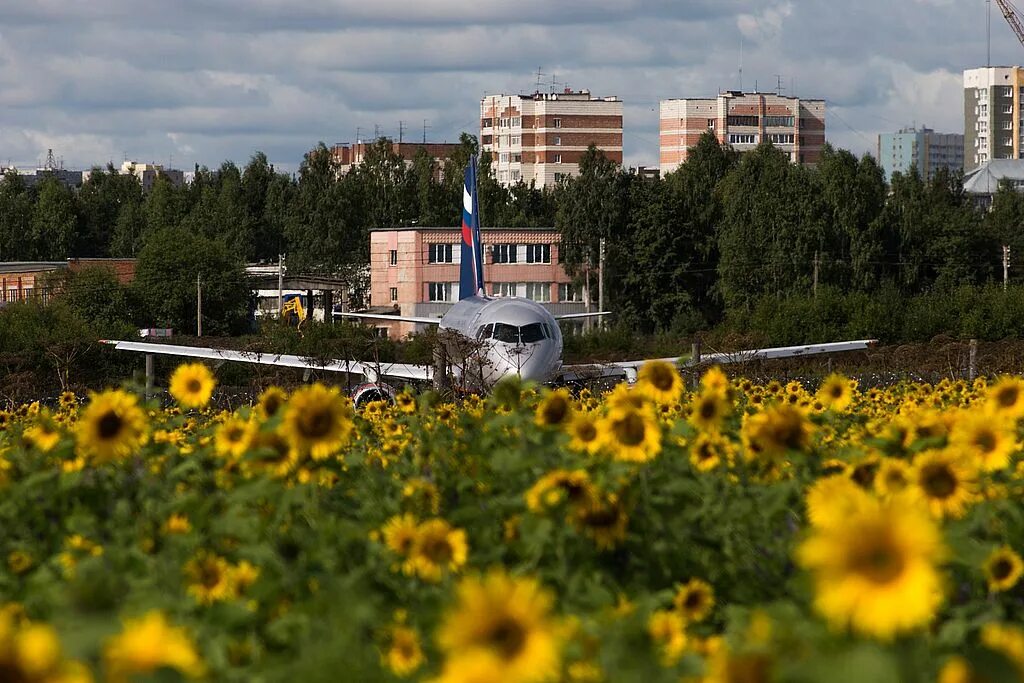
column 484, row 338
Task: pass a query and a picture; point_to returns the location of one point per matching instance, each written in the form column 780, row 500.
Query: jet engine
column 370, row 392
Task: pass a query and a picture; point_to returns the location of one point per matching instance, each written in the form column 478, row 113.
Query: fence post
column 972, row 360
column 149, row 376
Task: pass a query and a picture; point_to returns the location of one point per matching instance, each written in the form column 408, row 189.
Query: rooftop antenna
column 51, row 163
column 540, row 74
column 401, row 131
column 425, row 127
column 359, row 132
column 778, row 84
column 741, row 61
column 988, row 32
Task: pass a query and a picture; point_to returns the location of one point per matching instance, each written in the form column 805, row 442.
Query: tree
column 101, row 200
column 165, row 283
column 164, row 206
column 54, row 222
column 16, row 209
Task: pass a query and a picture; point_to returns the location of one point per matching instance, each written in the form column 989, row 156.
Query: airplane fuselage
column 504, row 336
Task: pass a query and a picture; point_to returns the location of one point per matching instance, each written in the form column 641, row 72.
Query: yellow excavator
column 293, row 310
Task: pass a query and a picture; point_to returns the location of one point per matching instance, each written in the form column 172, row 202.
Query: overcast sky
column 201, row 81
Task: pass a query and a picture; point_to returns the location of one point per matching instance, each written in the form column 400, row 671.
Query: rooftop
column 408, row 228
column 985, row 179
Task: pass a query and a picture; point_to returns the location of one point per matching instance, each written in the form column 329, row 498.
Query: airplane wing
column 573, row 316
column 390, row 318
column 371, row 371
column 629, row 368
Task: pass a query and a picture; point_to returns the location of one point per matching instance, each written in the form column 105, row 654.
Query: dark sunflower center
column 836, row 391
column 985, row 440
column 317, row 424
column 574, row 490
column 880, row 563
column 662, row 378
column 694, row 600
column 586, row 432
column 864, row 474
column 1001, row 569
column 438, row 550
column 938, row 481
column 507, row 636
column 601, row 518
column 630, row 430
column 209, row 574
column 894, row 479
column 109, row 425
column 271, row 405
column 790, row 434
column 707, row 409
column 1007, row 396
column 555, row 410
column 194, row 386
column 706, row 452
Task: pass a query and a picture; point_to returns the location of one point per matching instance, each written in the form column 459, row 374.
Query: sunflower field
column 734, row 532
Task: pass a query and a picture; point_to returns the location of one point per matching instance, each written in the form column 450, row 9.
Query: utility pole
column 199, row 306
column 401, row 131
column 600, row 281
column 425, row 127
column 814, row 286
column 1006, row 265
column 280, row 284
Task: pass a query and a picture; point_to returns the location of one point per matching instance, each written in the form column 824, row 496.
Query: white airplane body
column 504, row 336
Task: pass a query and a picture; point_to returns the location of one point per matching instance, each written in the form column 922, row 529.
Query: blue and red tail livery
column 471, row 276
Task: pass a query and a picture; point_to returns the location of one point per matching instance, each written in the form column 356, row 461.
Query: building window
column 440, row 253
column 558, row 159
column 558, row 140
column 742, row 120
column 983, row 110
column 503, row 158
column 1006, row 125
column 1006, row 90
column 517, row 121
column 485, row 123
column 503, row 253
column 517, row 157
column 393, row 257
column 394, row 293
column 780, row 138
column 569, row 292
column 1007, row 108
column 557, row 123
column 1007, row 142
column 559, row 177
column 538, row 253
column 503, row 289
column 538, row 291
column 742, row 139
column 515, row 174
column 382, row 332
column 515, row 140
column 711, row 124
column 779, row 121
column 440, row 291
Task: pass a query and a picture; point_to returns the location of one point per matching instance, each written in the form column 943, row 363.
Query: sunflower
column 502, row 624
column 5, row 420
column 177, row 524
column 560, row 486
column 775, row 432
column 836, row 392
column 271, row 453
column 987, row 442
column 210, row 578
column 875, row 570
column 945, row 481
column 234, row 437
column 1008, row 640
column 68, row 400
column 404, row 653
column 148, row 644
column 832, row 499
column 44, row 434
column 709, row 450
column 626, row 398
column 1006, row 397
column 112, row 427
column 708, row 410
column 1003, row 569
column 694, row 600
column 555, row 409
column 661, row 381
column 399, row 534
column 422, row 495
column 631, row 435
column 605, row 521
column 317, row 421
column 584, row 433
column 438, row 547
column 715, row 381
column 192, row 385
column 406, row 402
column 893, row 477
column 667, row 629
column 270, row 402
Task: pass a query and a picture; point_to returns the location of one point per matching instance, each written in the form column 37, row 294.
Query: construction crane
column 1013, row 17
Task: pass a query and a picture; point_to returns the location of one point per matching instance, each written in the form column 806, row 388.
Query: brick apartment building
column 743, row 120
column 540, row 138
column 993, row 102
column 348, row 156
column 24, row 280
column 415, row 271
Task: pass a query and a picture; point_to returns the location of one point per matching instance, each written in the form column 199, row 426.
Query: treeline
column 726, row 241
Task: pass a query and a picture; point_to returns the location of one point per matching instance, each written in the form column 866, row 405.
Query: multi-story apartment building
column 920, row 148
column 540, row 138
column 992, row 114
column 348, row 156
column 743, row 120
column 148, row 173
column 415, row 271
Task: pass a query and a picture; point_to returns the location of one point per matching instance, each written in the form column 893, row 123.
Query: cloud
column 209, row 80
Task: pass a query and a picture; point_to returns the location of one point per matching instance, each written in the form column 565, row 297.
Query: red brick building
column 540, row 138
column 743, row 120
column 23, row 280
column 348, row 156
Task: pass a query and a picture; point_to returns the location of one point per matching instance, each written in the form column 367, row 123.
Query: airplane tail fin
column 471, row 275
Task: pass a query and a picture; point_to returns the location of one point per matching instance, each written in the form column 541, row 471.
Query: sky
column 191, row 82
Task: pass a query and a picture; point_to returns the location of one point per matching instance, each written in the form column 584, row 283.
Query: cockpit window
column 484, row 332
column 532, row 333
column 506, row 333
